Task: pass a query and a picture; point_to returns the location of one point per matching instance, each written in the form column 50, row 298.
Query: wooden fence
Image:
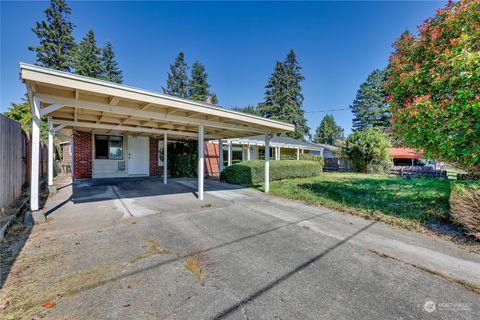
column 336, row 164
column 418, row 171
column 15, row 157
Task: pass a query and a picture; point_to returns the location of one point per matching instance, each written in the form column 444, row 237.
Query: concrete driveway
column 136, row 249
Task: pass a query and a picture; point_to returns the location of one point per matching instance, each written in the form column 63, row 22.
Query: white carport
column 72, row 102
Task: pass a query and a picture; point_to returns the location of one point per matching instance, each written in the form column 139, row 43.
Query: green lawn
column 408, row 203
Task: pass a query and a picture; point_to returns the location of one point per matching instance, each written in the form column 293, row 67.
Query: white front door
column 138, row 155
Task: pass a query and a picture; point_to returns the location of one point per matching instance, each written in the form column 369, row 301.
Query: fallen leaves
column 49, row 304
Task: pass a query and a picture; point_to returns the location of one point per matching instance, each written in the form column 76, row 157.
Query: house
column 122, row 131
column 253, row 148
column 66, row 151
column 330, row 151
column 406, row 157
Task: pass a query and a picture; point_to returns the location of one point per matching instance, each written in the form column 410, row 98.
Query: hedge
column 253, row 172
column 304, row 156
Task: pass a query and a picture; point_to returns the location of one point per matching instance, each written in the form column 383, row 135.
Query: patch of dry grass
column 193, row 264
column 153, row 249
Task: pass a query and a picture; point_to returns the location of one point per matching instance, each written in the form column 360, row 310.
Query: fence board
column 11, row 162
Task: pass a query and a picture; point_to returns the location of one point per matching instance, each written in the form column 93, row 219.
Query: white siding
column 104, row 168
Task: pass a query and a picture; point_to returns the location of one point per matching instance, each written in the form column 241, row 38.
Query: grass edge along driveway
column 411, row 204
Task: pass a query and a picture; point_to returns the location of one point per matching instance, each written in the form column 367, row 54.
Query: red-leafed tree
column 434, row 85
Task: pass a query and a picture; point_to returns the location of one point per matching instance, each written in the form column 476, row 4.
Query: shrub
column 252, row 172
column 304, row 156
column 367, row 151
column 182, row 159
column 465, row 207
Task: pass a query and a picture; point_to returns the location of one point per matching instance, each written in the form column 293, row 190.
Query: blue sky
column 337, row 43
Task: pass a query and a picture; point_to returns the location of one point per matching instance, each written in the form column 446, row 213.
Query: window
column 108, row 147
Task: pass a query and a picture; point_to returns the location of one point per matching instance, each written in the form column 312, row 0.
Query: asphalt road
column 139, row 251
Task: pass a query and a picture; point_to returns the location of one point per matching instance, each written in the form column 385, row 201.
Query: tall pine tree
column 87, row 58
column 57, row 45
column 110, row 70
column 370, row 107
column 198, row 85
column 283, row 96
column 328, row 131
column 177, row 80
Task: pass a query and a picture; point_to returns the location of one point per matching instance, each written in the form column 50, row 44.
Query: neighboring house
column 329, row 151
column 66, row 151
column 405, row 157
column 253, row 148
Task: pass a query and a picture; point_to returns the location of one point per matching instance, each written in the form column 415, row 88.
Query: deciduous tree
column 367, row 151
column 21, row 112
column 434, row 85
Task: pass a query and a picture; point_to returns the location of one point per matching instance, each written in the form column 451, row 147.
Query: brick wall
column 155, row 169
column 82, row 155
column 212, row 159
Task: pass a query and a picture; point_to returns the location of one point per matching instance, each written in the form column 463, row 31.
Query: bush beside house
column 367, row 151
column 253, row 172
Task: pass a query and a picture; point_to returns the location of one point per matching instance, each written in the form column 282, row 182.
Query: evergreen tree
column 328, row 131
column 87, row 58
column 248, row 109
column 110, row 70
column 370, row 107
column 177, row 80
column 283, row 96
column 57, row 45
column 198, row 85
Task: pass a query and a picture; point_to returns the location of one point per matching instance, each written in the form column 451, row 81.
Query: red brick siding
column 212, row 159
column 155, row 169
column 82, row 155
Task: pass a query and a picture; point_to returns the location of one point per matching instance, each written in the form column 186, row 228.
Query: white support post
column 165, row 140
column 229, row 153
column 279, row 154
column 35, row 168
column 248, row 152
column 220, row 155
column 267, row 163
column 50, row 152
column 298, row 154
column 201, row 147
column 244, row 153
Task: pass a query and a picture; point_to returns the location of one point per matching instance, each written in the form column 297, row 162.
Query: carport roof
column 76, row 102
column 279, row 141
